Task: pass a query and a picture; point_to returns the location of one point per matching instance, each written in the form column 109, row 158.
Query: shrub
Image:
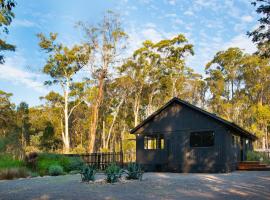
column 88, row 173
column 7, row 161
column 12, row 173
column 113, row 173
column 45, row 160
column 74, row 163
column 257, row 156
column 134, row 171
column 56, row 170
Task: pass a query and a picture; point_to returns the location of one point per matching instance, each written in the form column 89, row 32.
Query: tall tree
column 107, row 41
column 6, row 17
column 62, row 65
column 261, row 35
column 23, row 123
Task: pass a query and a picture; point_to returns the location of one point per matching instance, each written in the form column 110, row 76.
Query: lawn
column 236, row 185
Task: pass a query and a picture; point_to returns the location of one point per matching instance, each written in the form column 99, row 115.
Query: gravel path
column 232, row 186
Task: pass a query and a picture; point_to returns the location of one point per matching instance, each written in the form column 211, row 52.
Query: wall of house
column 175, row 123
column 234, row 148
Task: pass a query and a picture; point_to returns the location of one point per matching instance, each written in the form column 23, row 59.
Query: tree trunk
column 93, row 128
column 66, row 134
column 114, row 119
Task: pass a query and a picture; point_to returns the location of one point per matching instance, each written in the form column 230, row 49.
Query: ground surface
column 232, row 186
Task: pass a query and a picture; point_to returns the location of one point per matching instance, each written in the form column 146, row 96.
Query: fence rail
column 102, row 160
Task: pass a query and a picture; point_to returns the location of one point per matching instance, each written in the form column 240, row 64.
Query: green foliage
column 14, row 172
column 257, row 156
column 88, row 173
column 113, row 173
column 261, row 35
column 55, row 170
column 74, row 163
column 6, row 17
column 7, row 161
column 134, row 171
column 45, row 160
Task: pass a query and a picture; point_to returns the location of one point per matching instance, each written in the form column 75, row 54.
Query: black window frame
column 198, row 139
column 159, row 142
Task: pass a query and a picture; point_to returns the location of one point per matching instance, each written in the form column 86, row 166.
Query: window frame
column 159, row 142
column 200, row 133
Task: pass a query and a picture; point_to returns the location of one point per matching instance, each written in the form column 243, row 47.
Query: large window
column 202, row 139
column 154, row 142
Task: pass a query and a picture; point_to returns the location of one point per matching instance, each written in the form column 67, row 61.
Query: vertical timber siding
column 176, row 122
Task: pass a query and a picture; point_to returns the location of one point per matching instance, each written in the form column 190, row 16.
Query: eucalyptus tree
column 62, row 65
column 23, row 123
column 6, row 17
column 261, row 35
column 108, row 42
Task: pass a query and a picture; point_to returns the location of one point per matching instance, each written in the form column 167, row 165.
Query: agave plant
column 88, row 173
column 134, row 171
column 113, row 173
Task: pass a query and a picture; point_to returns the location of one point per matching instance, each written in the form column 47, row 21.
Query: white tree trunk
column 66, row 117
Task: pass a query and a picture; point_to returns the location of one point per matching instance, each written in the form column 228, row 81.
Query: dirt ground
column 231, row 186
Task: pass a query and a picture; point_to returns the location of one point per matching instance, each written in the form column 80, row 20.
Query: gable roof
column 227, row 123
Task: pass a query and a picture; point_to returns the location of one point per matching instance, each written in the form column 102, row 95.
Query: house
column 180, row 137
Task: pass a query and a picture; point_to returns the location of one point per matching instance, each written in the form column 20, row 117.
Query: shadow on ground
column 237, row 185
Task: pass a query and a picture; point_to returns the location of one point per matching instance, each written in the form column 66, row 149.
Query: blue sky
column 210, row 25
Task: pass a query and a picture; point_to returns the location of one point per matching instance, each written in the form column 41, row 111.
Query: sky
column 210, row 25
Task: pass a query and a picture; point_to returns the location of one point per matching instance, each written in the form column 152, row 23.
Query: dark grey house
column 180, row 137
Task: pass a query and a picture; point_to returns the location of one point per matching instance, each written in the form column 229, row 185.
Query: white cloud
column 247, row 18
column 172, row 2
column 188, row 12
column 12, row 70
column 23, row 23
column 243, row 42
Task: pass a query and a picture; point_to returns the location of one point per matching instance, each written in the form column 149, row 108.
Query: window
column 154, row 142
column 202, row 139
column 235, row 140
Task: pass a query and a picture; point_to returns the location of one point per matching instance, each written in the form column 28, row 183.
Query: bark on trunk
column 93, row 128
column 66, row 134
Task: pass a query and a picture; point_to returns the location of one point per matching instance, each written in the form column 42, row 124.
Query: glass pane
column 161, row 143
column 202, row 139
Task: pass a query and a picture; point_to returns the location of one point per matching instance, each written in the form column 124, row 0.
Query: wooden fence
column 102, row 160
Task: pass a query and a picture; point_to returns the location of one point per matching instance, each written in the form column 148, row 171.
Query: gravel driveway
column 236, row 185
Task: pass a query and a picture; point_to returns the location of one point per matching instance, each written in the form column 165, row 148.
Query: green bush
column 45, row 160
column 88, row 173
column 113, row 173
column 56, row 170
column 74, row 163
column 15, row 172
column 134, row 171
column 7, row 161
column 257, row 156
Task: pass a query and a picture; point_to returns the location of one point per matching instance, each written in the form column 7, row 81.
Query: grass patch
column 7, row 161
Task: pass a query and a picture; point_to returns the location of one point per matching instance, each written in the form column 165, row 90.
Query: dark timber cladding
column 181, row 137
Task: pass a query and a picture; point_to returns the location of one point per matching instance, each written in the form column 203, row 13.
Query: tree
column 62, row 65
column 23, row 123
column 107, row 41
column 155, row 70
column 6, row 17
column 261, row 35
